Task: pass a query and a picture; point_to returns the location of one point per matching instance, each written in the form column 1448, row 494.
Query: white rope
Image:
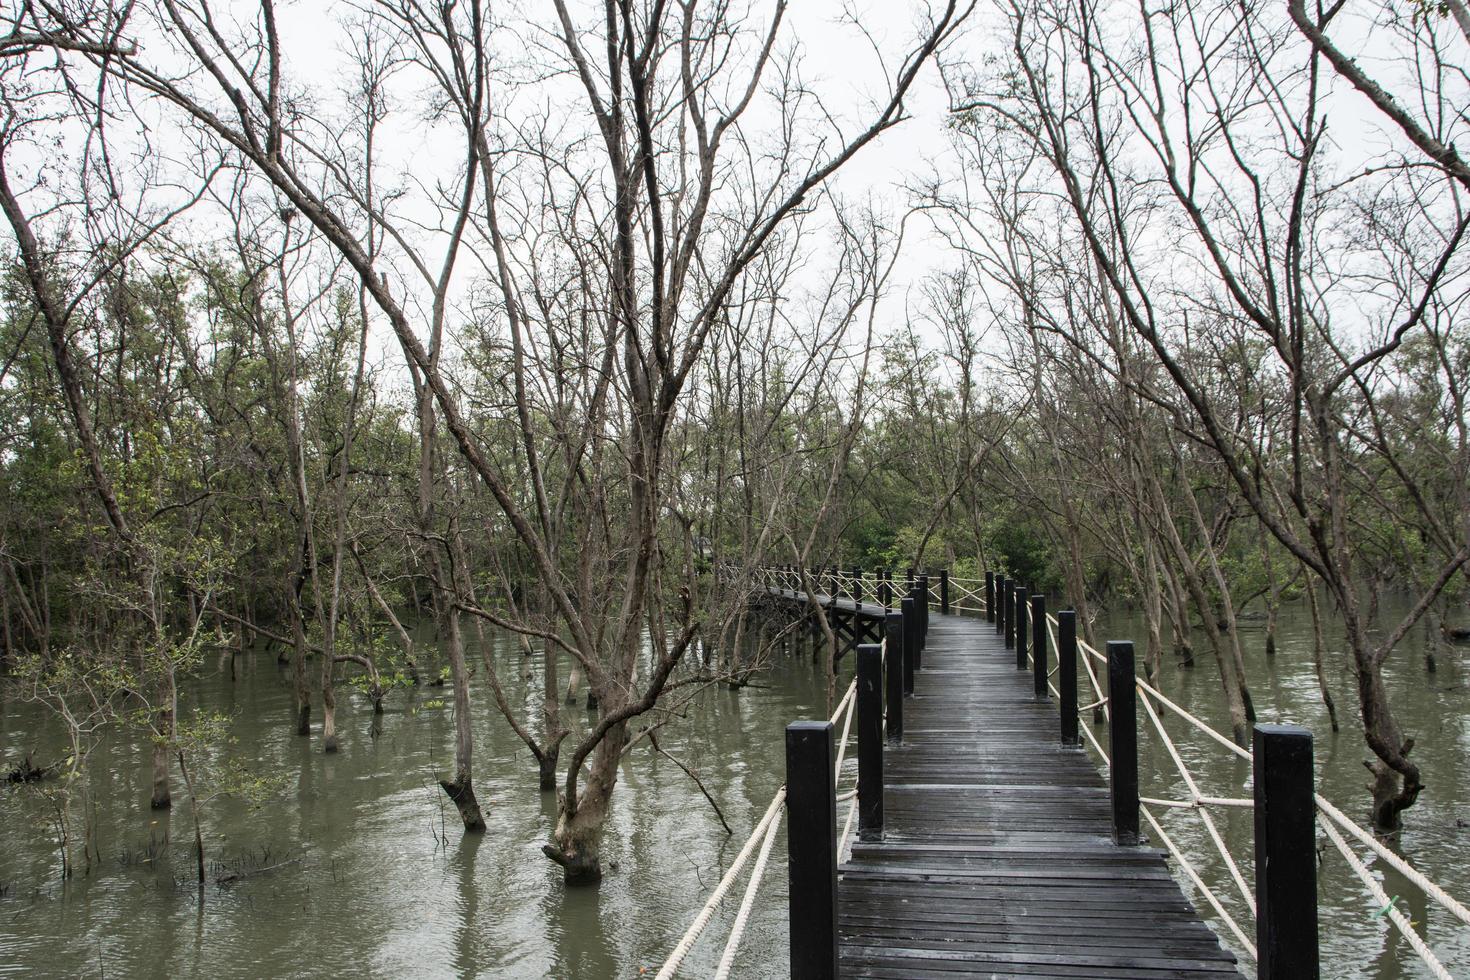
column 1399, row 864
column 1196, row 801
column 842, row 851
column 1086, row 730
column 1204, row 814
column 702, row 919
column 1199, row 801
column 1404, row 926
column 845, row 708
column 1092, row 678
column 842, row 705
column 1204, row 889
column 737, row 930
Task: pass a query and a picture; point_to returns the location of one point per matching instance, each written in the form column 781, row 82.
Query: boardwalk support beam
column 944, row 591
column 1286, row 853
column 870, row 741
column 990, row 597
column 811, row 844
column 1123, row 742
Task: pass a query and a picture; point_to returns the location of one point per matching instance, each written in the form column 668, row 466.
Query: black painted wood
column 893, row 675
column 921, row 587
column 1067, row 675
column 1286, row 853
column 1023, row 619
column 1008, row 611
column 997, row 857
column 910, row 642
column 1123, row 742
column 870, row 740
column 811, row 843
column 1039, row 670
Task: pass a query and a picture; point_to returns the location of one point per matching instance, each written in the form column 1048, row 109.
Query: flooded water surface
column 357, row 869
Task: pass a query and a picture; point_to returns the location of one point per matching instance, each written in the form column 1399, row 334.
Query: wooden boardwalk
column 997, row 858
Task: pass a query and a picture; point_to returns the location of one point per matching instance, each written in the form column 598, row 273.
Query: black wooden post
column 1123, row 742
column 857, row 584
column 870, row 740
column 811, row 847
column 1286, row 853
column 894, row 678
column 910, row 642
column 990, row 597
column 944, row 590
column 911, row 581
column 885, row 590
column 836, row 591
column 1001, row 610
column 1008, row 612
column 1038, row 647
column 1021, row 631
column 1067, row 673
column 923, row 588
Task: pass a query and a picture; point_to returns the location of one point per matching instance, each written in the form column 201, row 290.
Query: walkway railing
column 1272, row 919
column 873, row 701
column 1281, row 761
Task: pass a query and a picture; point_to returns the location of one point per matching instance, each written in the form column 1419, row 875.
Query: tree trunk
column 550, row 717
column 298, row 659
column 1153, row 611
column 461, row 788
column 577, row 841
column 329, row 707
column 194, row 813
column 162, row 799
column 1319, row 655
column 1395, row 784
column 546, row 764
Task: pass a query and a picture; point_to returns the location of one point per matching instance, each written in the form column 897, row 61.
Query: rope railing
column 701, row 920
column 1237, row 914
column 967, row 595
column 763, row 838
column 879, row 586
column 1204, row 859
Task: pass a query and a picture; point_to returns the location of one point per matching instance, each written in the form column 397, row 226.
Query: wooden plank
column 997, row 857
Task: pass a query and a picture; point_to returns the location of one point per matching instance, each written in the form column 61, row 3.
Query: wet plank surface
column 997, row 858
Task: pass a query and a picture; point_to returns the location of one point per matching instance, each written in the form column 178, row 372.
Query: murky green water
column 363, row 886
column 369, row 890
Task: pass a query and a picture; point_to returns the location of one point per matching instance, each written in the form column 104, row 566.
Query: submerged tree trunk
column 1396, row 782
column 164, row 721
column 329, row 705
column 301, row 687
column 577, row 841
column 460, row 788
column 194, row 814
column 1179, row 624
